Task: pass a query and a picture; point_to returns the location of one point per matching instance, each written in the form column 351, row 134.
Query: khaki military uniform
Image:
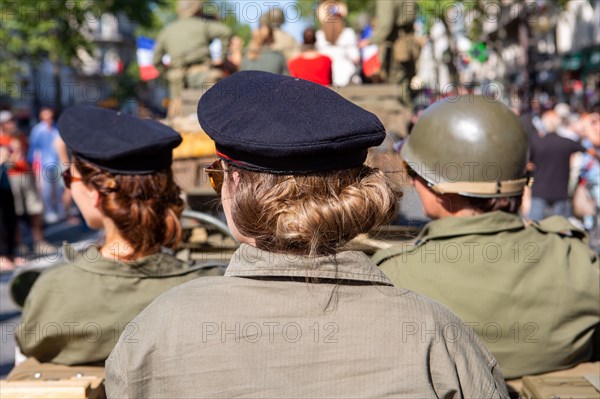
column 76, row 312
column 268, row 61
column 398, row 47
column 530, row 292
column 285, row 43
column 187, row 42
column 287, row 326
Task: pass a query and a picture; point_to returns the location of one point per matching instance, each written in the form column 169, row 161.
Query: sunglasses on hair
column 216, row 175
column 68, row 178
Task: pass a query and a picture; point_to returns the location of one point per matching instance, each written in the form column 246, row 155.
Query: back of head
column 273, row 18
column 301, row 185
column 309, row 37
column 469, row 145
column 563, row 111
column 5, row 116
column 46, row 114
column 127, row 160
column 261, row 38
column 145, row 208
column 550, row 121
column 332, row 15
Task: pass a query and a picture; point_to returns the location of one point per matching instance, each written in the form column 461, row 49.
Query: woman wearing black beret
column 295, row 315
column 121, row 181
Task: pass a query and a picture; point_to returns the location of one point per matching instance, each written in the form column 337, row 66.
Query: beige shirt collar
column 249, row 261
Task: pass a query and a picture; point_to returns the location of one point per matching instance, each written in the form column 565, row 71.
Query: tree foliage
column 33, row 30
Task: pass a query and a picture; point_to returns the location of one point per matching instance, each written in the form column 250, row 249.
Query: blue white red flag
column 145, row 53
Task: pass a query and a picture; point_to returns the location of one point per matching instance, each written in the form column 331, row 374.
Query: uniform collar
column 487, row 223
column 249, row 261
column 157, row 265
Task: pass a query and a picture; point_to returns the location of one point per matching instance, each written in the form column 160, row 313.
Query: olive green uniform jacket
column 76, row 312
column 530, row 292
column 285, row 43
column 268, row 60
column 288, row 326
column 187, row 41
column 392, row 15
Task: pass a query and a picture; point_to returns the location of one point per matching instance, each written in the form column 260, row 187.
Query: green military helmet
column 188, row 8
column 273, row 18
column 469, row 145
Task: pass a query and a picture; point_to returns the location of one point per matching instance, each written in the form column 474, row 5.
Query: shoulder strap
column 559, row 225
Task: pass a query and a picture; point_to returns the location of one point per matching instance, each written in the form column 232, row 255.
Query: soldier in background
column 282, row 41
column 398, row 47
column 529, row 289
column 186, row 42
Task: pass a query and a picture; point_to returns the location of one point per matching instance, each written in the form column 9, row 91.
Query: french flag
column 145, row 52
column 371, row 62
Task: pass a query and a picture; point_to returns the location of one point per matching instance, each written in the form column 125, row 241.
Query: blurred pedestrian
column 338, row 42
column 8, row 218
column 282, row 41
column 589, row 172
column 236, row 52
column 28, row 203
column 551, row 156
column 43, row 157
column 310, row 64
column 260, row 55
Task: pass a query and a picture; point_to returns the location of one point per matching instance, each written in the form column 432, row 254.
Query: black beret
column 282, row 125
column 117, row 142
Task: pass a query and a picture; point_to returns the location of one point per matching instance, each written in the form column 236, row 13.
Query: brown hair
column 314, row 214
column 262, row 37
column 331, row 14
column 505, row 204
column 145, row 208
column 309, row 37
column 333, row 28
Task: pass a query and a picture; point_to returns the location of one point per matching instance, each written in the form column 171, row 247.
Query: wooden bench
column 32, row 379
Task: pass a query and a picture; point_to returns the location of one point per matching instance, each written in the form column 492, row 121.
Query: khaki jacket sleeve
column 116, row 377
column 385, row 20
column 159, row 51
column 477, row 372
column 41, row 333
column 218, row 30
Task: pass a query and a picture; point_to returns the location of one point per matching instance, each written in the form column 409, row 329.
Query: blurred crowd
column 564, row 163
column 32, row 190
column 564, row 145
column 198, row 49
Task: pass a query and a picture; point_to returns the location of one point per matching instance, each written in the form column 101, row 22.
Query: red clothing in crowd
column 316, row 70
column 18, row 145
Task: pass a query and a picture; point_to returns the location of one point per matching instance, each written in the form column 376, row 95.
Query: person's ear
column 236, row 178
column 95, row 196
